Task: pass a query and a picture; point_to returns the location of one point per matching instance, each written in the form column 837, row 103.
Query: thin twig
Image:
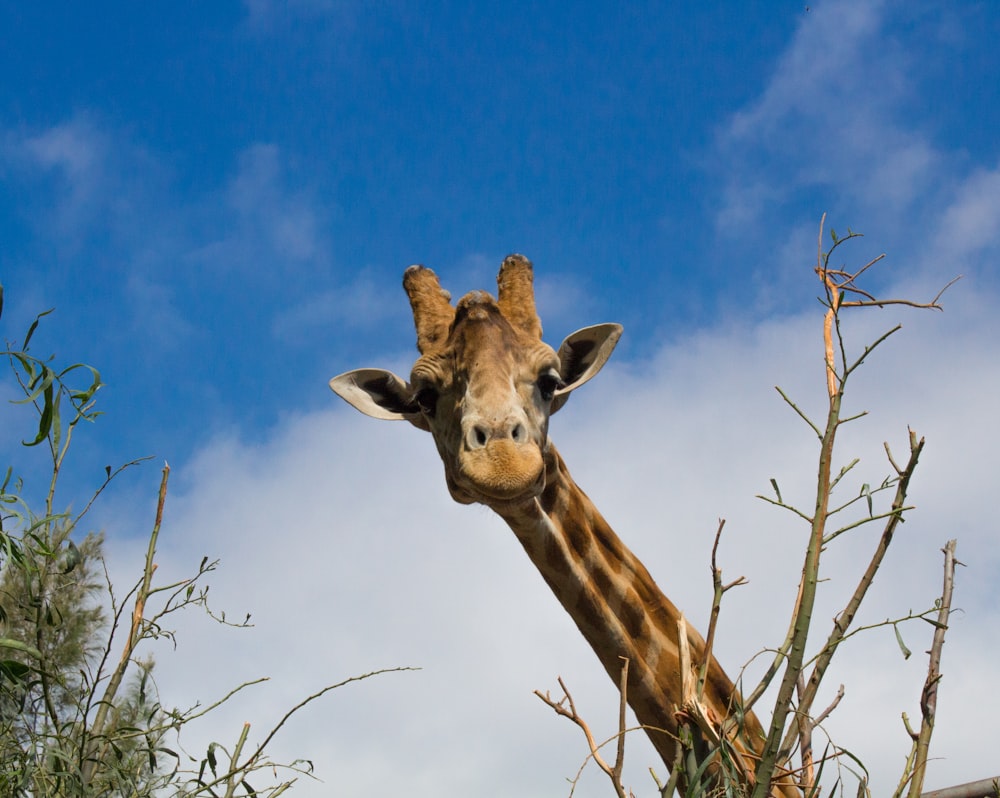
column 616, row 776
column 718, row 591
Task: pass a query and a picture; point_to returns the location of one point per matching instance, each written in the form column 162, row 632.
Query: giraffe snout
column 479, row 433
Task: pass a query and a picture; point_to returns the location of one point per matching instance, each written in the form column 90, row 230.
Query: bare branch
column 842, row 622
column 566, row 707
column 985, row 788
column 928, row 700
column 718, row 591
column 833, row 705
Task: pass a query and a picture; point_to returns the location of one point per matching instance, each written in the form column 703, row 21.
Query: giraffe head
column 485, row 383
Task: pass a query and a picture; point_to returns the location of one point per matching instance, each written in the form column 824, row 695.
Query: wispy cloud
column 969, row 227
column 359, row 304
column 835, row 116
column 387, row 571
column 338, row 533
column 265, row 17
column 86, row 182
column 264, row 203
column 665, row 447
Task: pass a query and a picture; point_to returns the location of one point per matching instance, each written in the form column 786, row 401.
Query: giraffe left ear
column 582, row 355
column 379, row 394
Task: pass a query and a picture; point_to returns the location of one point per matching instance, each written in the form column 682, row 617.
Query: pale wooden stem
column 928, row 699
column 566, row 707
column 90, row 756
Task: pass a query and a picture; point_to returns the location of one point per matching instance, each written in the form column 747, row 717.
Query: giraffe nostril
column 480, row 433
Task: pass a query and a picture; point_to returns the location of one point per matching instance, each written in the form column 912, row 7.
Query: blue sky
column 234, row 191
column 219, row 201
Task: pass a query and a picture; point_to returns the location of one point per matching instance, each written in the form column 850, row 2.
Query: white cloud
column 73, row 147
column 82, row 172
column 337, row 534
column 267, row 17
column 359, row 304
column 837, row 115
column 971, row 224
column 97, row 178
column 269, row 209
column 256, row 223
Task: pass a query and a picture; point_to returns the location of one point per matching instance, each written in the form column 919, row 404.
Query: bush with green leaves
column 80, row 714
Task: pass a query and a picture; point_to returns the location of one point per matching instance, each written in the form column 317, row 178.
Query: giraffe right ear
column 582, row 355
column 379, row 394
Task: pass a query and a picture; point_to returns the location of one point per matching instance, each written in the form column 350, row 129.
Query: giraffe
column 485, row 386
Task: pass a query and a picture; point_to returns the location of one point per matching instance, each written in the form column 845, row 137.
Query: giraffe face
column 484, row 385
column 486, row 397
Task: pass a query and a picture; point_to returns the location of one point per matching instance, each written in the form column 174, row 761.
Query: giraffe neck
column 616, row 604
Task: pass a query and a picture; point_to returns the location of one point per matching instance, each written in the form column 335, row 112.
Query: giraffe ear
column 582, row 355
column 379, row 394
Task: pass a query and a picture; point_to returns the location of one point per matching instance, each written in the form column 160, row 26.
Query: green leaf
column 56, row 427
column 774, row 484
column 86, row 395
column 33, row 327
column 72, row 557
column 899, row 640
column 37, row 375
column 17, row 645
column 45, row 420
column 12, row 670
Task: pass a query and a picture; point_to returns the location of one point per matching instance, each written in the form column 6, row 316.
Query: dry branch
column 566, row 707
column 985, row 788
column 928, row 699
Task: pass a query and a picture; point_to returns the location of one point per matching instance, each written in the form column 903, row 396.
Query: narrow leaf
column 72, row 557
column 17, row 645
column 774, row 484
column 13, row 670
column 34, row 326
column 899, row 640
column 45, row 421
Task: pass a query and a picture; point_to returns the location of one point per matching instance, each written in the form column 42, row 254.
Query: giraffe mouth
column 499, row 473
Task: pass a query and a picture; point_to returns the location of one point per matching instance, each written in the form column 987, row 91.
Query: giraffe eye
column 548, row 384
column 426, row 399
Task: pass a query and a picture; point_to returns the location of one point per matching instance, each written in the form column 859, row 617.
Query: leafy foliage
column 80, row 714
